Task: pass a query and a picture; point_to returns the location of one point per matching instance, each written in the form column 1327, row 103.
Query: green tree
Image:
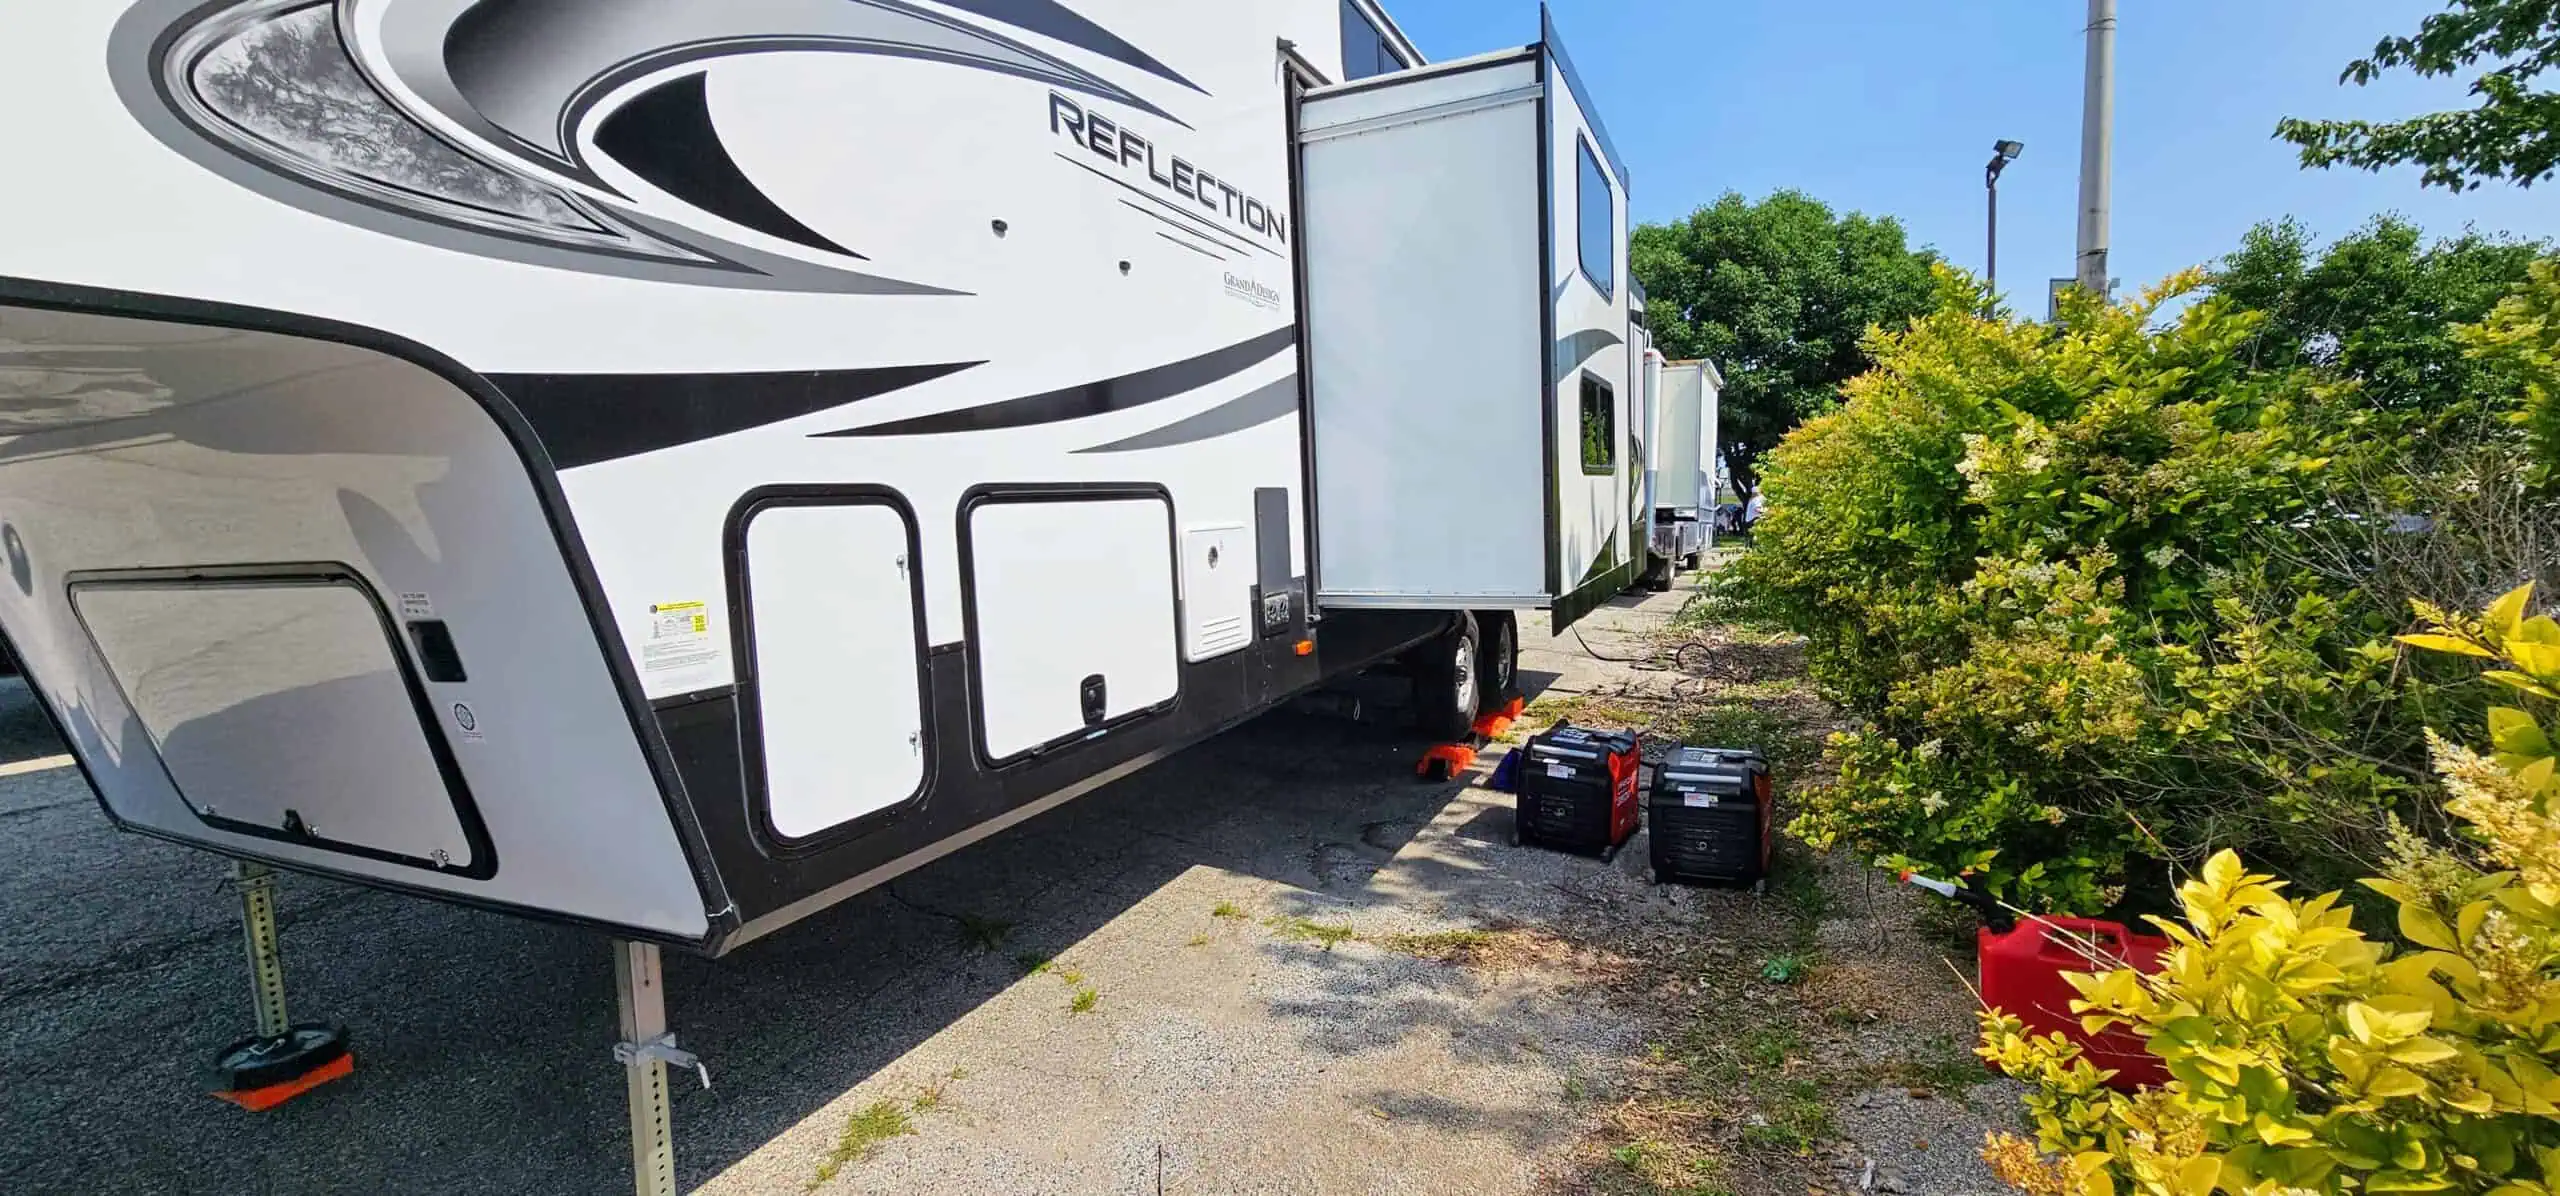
column 2379, row 306
column 2514, row 132
column 1779, row 294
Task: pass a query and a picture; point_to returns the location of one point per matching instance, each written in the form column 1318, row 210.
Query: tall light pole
column 2097, row 136
column 2002, row 154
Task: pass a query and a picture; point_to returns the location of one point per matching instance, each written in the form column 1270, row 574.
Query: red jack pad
column 258, row 1073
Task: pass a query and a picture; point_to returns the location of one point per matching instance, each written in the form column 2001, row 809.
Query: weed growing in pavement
column 1796, row 1120
column 1575, row 1089
column 1226, row 909
column 1197, row 940
column 1439, row 944
column 1072, row 976
column 1769, row 1046
column 1785, row 968
column 1671, row 1169
column 1084, row 1000
column 1946, row 1068
column 986, row 934
column 865, row 1132
column 1298, row 929
column 1033, row 963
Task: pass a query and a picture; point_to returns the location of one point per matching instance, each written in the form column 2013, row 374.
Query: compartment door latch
column 1095, row 694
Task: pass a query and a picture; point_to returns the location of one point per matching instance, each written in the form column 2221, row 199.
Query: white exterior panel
column 1064, row 590
column 1683, row 436
column 1595, row 516
column 278, row 704
column 1427, row 410
column 833, row 628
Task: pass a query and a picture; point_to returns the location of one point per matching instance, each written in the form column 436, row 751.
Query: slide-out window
column 1599, row 427
column 1599, row 217
column 1365, row 51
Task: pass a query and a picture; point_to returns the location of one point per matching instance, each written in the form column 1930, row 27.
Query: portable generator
column 1712, row 812
column 1577, row 791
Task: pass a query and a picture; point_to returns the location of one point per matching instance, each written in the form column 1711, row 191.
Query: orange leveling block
column 1450, row 759
column 282, row 1060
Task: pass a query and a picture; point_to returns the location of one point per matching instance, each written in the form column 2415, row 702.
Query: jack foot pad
column 259, row 1073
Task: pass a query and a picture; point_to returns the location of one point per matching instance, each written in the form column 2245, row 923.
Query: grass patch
column 1308, row 930
column 1084, row 1000
column 1226, row 909
column 1778, row 735
column 1946, row 1068
column 1072, row 976
column 1197, row 940
column 1796, row 1120
column 1671, row 1168
column 1439, row 944
column 1771, row 1046
column 1584, row 710
column 864, row 1133
column 986, row 934
column 1797, row 880
column 1787, row 967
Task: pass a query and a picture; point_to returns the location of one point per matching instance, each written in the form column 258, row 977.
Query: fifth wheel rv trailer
column 1648, row 446
column 1685, row 479
column 668, row 467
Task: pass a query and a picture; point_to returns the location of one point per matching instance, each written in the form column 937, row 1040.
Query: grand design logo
column 465, row 123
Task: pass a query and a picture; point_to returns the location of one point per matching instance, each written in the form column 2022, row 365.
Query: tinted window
column 1365, row 51
column 1599, row 225
column 1599, row 426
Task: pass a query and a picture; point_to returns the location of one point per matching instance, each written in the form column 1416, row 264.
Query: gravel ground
column 1224, row 1054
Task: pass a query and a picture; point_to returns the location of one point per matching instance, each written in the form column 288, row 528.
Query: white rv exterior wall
column 1044, row 306
column 1711, row 462
column 1692, row 393
column 1593, row 513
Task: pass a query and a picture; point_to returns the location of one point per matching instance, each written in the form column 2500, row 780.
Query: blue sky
column 1890, row 107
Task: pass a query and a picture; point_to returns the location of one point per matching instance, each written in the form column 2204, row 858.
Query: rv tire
column 1497, row 659
column 1444, row 681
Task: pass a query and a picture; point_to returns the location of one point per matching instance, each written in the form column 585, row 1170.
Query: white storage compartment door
column 1071, row 612
column 837, row 716
column 1426, row 337
column 281, row 710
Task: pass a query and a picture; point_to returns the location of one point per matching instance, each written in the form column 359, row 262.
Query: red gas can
column 2022, row 975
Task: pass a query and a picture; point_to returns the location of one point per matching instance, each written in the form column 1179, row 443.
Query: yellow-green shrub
column 2109, row 595
column 2306, row 1058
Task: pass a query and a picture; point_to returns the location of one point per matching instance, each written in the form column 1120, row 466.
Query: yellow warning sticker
column 679, row 637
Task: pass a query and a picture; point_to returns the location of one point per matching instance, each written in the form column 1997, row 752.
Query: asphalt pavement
column 482, row 1041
